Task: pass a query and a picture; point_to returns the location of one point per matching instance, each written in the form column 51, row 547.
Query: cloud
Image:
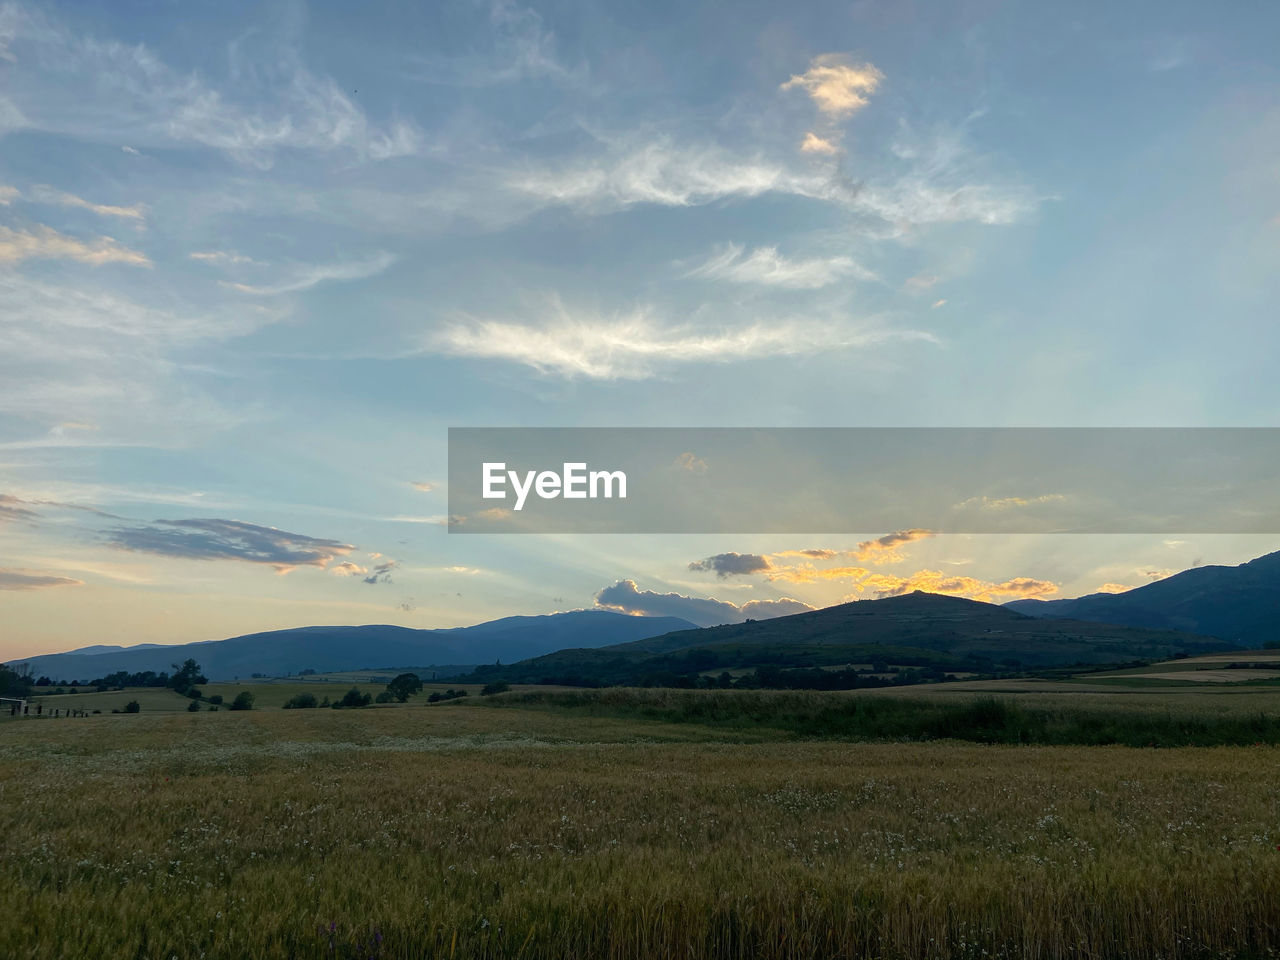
column 381, row 572
column 626, row 597
column 812, row 143
column 220, row 257
column 423, row 485
column 837, row 85
column 820, row 553
column 659, row 172
column 307, row 276
column 732, row 564
column 935, row 581
column 938, row 303
column 808, row 573
column 348, row 569
column 885, row 549
column 45, row 243
column 109, row 91
column 690, row 462
column 1009, row 503
column 216, row 539
column 8, row 195
column 767, row 267
column 1114, row 588
column 11, row 508
column 523, row 49
column 44, row 194
column 22, row 580
column 636, row 346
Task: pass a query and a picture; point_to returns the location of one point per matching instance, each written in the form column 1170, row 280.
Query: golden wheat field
column 464, row 831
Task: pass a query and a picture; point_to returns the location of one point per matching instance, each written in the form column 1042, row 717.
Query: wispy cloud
column 659, row 172
column 25, row 580
column 765, row 266
column 45, row 243
column 837, row 84
column 522, row 48
column 626, row 597
column 223, row 258
column 637, row 345
column 218, row 539
column 110, row 91
column 888, row 549
column 423, row 485
column 304, row 277
column 12, row 508
column 46, row 194
column 8, row 195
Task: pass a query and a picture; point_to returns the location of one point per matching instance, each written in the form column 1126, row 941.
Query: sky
column 255, row 261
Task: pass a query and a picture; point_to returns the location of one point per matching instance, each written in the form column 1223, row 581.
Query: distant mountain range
column 329, row 649
column 1240, row 604
column 918, row 629
column 1202, row 610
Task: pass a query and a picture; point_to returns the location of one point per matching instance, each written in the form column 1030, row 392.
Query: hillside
column 1240, row 604
column 335, row 648
column 917, row 630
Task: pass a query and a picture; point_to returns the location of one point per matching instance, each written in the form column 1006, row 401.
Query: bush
column 384, row 697
column 243, row 701
column 216, row 698
column 133, row 706
column 354, row 698
column 194, row 707
column 194, row 693
column 303, row 701
column 496, row 687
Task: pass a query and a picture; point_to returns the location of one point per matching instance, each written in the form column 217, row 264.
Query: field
column 542, row 830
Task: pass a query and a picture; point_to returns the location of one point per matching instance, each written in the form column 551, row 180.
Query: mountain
column 327, row 649
column 1240, row 604
column 917, row 629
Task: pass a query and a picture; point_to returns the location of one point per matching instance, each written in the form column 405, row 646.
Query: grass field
column 534, row 831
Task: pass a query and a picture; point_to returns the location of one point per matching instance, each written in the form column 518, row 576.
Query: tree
column 133, row 706
column 303, row 701
column 186, row 676
column 404, row 686
column 193, row 707
column 354, row 698
column 243, row 701
column 384, row 697
column 496, row 687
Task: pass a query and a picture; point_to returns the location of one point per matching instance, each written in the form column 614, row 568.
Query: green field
column 541, row 830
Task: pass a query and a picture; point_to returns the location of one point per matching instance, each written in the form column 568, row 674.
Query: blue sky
column 253, row 264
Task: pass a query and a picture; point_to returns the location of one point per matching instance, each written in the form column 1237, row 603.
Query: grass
column 982, row 719
column 540, row 831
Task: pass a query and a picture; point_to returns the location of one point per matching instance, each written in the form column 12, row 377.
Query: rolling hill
column 918, row 629
column 1240, row 604
column 335, row 648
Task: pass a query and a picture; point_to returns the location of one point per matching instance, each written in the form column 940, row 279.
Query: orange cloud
column 812, row 143
column 1114, row 588
column 935, row 581
column 837, row 85
column 885, row 549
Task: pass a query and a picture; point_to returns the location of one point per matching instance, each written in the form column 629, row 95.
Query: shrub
column 491, row 688
column 385, row 697
column 193, row 707
column 216, row 698
column 303, row 701
column 194, row 693
column 133, row 706
column 354, row 698
column 243, row 701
